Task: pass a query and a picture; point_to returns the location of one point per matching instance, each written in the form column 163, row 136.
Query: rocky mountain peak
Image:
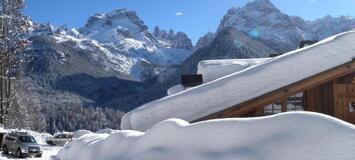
column 116, row 15
column 182, row 41
column 257, row 13
column 179, row 40
column 171, row 32
column 205, row 40
column 116, row 26
column 262, row 5
column 163, row 34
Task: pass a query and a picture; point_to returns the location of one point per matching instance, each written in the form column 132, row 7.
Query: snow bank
column 40, row 137
column 214, row 69
column 80, row 133
column 241, row 86
column 291, row 136
column 106, row 131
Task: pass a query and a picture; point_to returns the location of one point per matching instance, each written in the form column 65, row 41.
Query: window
column 295, row 103
column 10, row 138
column 273, row 108
column 292, row 103
column 351, row 107
column 27, row 139
column 58, row 136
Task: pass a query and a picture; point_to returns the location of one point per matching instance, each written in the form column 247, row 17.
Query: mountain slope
column 229, row 43
column 112, row 62
column 262, row 21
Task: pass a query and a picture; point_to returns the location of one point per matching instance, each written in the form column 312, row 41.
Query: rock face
column 179, row 40
column 205, row 40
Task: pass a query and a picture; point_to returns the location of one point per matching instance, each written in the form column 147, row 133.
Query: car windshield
column 27, row 139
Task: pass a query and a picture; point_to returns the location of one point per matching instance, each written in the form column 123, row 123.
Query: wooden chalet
column 331, row 92
column 319, row 78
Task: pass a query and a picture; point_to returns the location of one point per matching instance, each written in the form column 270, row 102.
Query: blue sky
column 194, row 17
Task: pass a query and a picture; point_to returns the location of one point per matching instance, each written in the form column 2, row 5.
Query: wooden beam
column 284, row 104
column 269, row 98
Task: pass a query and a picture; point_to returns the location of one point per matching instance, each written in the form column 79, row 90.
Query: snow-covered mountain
column 113, row 61
column 262, row 21
column 265, row 29
column 123, row 33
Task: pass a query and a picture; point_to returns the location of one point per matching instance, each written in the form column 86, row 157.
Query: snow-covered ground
column 291, row 136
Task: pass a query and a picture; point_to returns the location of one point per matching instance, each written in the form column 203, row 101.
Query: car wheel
column 39, row 155
column 19, row 153
column 5, row 151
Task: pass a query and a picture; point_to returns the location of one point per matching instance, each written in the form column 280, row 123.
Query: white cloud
column 179, row 14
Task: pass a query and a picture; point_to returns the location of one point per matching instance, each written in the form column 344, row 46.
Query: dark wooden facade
column 331, row 92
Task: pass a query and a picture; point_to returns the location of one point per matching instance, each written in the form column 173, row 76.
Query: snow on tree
column 13, row 28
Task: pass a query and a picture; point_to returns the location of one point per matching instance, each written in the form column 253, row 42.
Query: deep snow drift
column 291, row 136
column 239, row 87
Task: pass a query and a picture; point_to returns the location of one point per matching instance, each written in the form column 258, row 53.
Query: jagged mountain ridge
column 178, row 40
column 262, row 21
column 122, row 32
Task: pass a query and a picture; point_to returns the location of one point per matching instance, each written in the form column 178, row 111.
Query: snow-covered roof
column 214, row 69
column 175, row 89
column 245, row 85
column 288, row 136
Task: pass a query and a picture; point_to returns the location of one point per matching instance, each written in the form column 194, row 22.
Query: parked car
column 60, row 138
column 21, row 144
